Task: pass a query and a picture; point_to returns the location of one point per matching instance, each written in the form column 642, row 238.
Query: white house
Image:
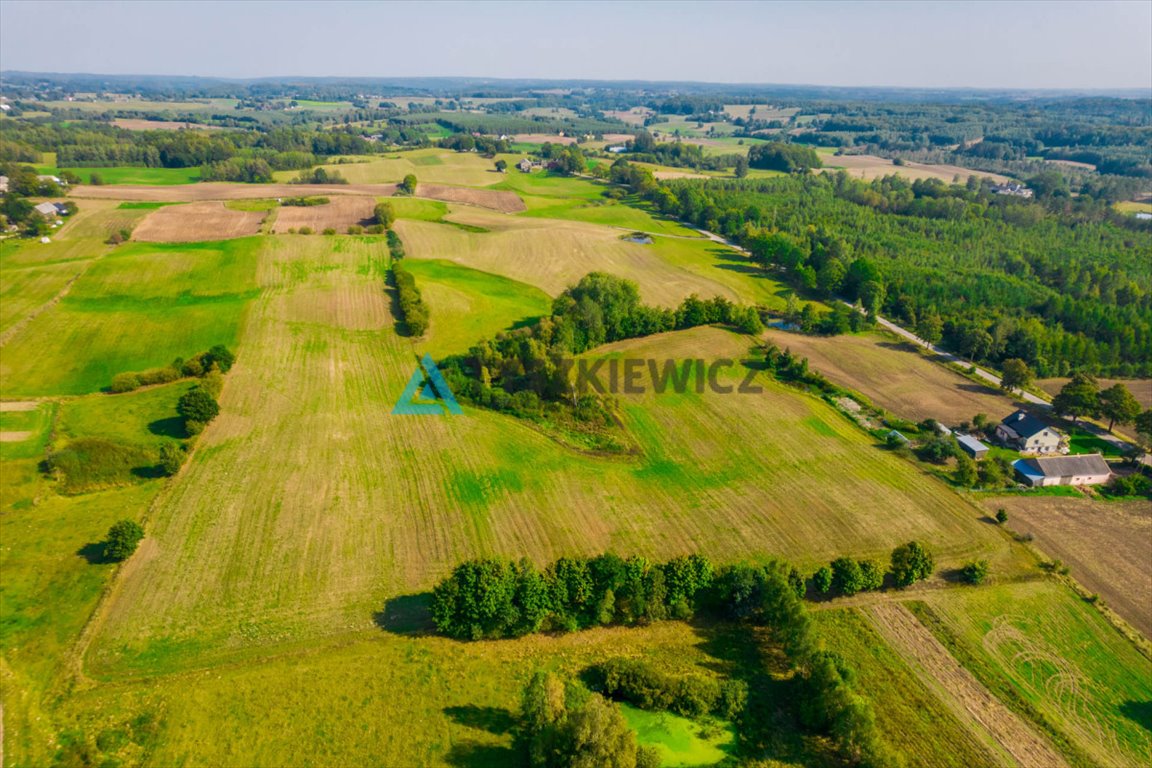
column 525, row 165
column 47, row 210
column 1027, row 434
column 1087, row 469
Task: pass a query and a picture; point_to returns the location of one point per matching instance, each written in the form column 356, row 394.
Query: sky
column 1076, row 44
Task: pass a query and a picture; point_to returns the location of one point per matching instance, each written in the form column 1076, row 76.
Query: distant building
column 898, row 437
column 972, row 446
column 1012, row 188
column 1028, row 434
column 617, row 149
column 1089, row 469
column 525, row 165
column 47, row 210
column 53, row 179
column 3, row 184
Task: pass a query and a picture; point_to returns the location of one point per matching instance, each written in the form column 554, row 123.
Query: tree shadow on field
column 406, row 615
column 497, row 720
column 171, row 427
column 154, row 472
column 94, row 553
column 1138, row 711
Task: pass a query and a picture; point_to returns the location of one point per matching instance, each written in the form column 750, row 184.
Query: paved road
column 948, row 357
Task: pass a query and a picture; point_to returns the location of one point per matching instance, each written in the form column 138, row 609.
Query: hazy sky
column 1035, row 44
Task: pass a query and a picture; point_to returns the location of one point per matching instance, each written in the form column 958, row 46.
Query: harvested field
column 678, row 175
column 339, row 214
column 15, row 437
column 503, row 201
column 1141, row 389
column 543, row 138
column 18, row 405
column 635, row 116
column 196, row 222
column 130, row 124
column 896, row 377
column 871, row 167
column 222, row 190
column 1107, row 545
column 968, row 699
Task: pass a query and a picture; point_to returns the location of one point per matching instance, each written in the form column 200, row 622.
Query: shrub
column 384, row 215
column 305, row 230
column 123, row 538
column 124, row 382
column 159, row 376
column 355, row 229
column 911, row 562
column 641, row 684
column 822, row 579
column 412, row 307
column 374, row 229
column 91, row 463
column 872, row 575
column 846, row 576
column 198, row 407
column 171, row 458
column 974, row 572
column 219, row 356
column 1001, row 516
column 194, row 428
column 329, row 231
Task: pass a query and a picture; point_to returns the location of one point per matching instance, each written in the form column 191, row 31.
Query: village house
column 3, row 184
column 1012, row 188
column 47, row 210
column 1089, row 469
column 1028, row 434
column 972, row 446
column 525, row 165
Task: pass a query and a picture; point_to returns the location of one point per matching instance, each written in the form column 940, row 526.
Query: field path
column 959, row 689
column 11, row 332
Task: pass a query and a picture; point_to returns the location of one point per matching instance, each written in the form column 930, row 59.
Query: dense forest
column 1062, row 284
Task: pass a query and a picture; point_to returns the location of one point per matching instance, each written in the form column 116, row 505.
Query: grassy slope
column 1049, row 647
column 133, row 175
column 431, row 166
column 468, row 305
column 137, row 307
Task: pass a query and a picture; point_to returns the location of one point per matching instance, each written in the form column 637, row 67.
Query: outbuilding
column 1085, row 469
column 972, row 446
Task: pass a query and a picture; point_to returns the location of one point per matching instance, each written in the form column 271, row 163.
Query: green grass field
column 132, row 175
column 138, row 307
column 1041, row 644
column 468, row 305
column 680, row 741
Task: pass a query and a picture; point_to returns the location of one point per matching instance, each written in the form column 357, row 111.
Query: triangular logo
column 427, row 383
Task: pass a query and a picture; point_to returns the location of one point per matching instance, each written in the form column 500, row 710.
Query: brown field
column 1107, row 545
column 506, row 202
column 542, row 138
column 896, row 377
column 503, row 201
column 131, row 124
column 1074, row 164
column 197, row 221
column 678, row 175
column 871, row 167
column 634, row 116
column 341, row 213
column 763, row 111
column 972, row 703
column 1141, row 389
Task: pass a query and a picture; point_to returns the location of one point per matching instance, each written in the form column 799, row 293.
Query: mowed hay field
column 553, row 254
column 435, row 166
column 307, row 504
column 136, row 307
column 896, row 377
column 339, row 214
column 1107, row 545
column 195, row 222
column 1141, row 389
column 1040, row 642
column 872, row 167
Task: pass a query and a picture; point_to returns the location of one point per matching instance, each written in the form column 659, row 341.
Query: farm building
column 898, row 437
column 972, row 446
column 1089, row 469
column 1028, row 434
column 1012, row 188
column 53, row 179
column 3, row 184
column 525, row 165
column 47, row 210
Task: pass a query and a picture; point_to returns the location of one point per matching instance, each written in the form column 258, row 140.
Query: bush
column 305, row 230
column 355, row 229
column 974, row 572
column 911, row 562
column 822, row 579
column 412, row 307
column 171, row 458
column 123, row 538
column 197, row 407
column 329, row 231
column 646, row 687
column 91, row 463
column 1001, row 516
column 124, row 382
column 384, row 215
column 846, row 576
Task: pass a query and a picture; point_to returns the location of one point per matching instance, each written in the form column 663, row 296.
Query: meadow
column 132, row 174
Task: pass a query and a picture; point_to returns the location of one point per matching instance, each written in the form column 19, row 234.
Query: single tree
column 1001, row 516
column 501, row 165
column 197, row 406
column 974, row 572
column 741, row 169
column 822, row 579
column 408, row 185
column 384, row 215
column 123, row 537
column 966, row 474
column 171, row 458
column 1015, row 374
column 1118, row 405
column 911, row 562
column 1079, row 397
column 846, row 576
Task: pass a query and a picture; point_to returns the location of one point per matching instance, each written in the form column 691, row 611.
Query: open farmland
column 896, row 377
column 135, row 308
column 1039, row 644
column 194, row 222
column 1141, row 389
column 435, row 166
column 339, row 214
column 872, row 167
column 1107, row 545
column 321, row 335
column 134, row 124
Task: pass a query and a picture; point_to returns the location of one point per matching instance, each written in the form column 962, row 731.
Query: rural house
column 972, row 446
column 1090, row 469
column 525, row 165
column 47, row 210
column 1028, row 434
column 3, row 184
column 1012, row 188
